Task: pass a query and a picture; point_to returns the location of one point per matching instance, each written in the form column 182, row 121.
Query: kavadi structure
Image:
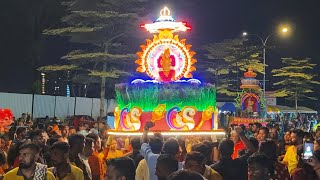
column 172, row 98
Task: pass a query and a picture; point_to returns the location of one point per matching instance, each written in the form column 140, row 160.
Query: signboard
column 270, row 98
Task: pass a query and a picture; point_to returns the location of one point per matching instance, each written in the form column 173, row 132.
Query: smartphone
column 307, row 150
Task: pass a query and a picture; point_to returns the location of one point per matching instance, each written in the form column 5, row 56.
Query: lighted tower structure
column 177, row 103
column 250, row 101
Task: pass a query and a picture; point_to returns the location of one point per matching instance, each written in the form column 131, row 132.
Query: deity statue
column 250, row 104
column 166, row 63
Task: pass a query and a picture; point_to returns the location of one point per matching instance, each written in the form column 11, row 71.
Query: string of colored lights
column 169, row 133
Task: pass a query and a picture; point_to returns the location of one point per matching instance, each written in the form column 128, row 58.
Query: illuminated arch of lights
column 150, row 52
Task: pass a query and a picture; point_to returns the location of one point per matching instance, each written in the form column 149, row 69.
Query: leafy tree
column 229, row 57
column 100, row 30
column 21, row 41
column 297, row 79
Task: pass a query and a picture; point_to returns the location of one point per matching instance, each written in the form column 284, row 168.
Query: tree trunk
column 73, row 90
column 103, row 92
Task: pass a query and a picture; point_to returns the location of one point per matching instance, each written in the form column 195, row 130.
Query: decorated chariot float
column 177, row 103
column 250, row 102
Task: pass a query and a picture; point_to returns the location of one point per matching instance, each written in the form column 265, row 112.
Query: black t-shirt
column 137, row 157
column 231, row 169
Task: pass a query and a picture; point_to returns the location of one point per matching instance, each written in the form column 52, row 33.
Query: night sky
column 211, row 21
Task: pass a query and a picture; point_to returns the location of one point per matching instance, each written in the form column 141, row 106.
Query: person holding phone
column 308, row 149
column 308, row 167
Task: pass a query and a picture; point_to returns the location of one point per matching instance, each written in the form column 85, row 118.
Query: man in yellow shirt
column 142, row 170
column 195, row 161
column 29, row 168
column 62, row 169
column 290, row 158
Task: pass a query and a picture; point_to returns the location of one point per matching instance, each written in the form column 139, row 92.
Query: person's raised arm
column 146, row 128
column 245, row 140
column 145, row 150
column 182, row 144
column 107, row 147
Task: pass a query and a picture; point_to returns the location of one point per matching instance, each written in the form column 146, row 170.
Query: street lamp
column 284, row 30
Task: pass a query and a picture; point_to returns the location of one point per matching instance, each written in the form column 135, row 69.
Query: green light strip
column 149, row 95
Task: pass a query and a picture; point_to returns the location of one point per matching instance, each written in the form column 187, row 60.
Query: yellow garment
column 316, row 127
column 101, row 155
column 76, row 173
column 211, row 174
column 291, row 158
column 142, row 171
column 114, row 154
column 13, row 175
column 189, row 143
column 189, row 147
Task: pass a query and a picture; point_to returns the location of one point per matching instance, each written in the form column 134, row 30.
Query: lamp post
column 264, row 45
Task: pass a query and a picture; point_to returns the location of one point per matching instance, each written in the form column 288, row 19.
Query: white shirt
column 86, row 163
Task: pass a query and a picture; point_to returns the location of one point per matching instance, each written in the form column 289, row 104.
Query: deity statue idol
column 250, row 104
column 166, row 63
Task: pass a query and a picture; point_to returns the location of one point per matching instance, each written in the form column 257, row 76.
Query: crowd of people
column 251, row 152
